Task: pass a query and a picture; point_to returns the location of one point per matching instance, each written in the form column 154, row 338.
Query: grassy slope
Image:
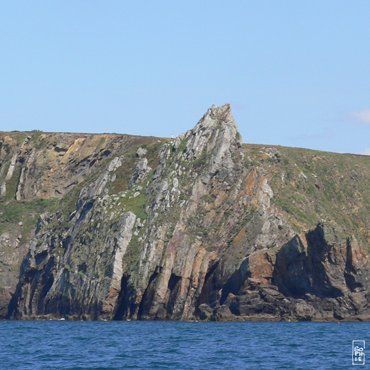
column 311, row 185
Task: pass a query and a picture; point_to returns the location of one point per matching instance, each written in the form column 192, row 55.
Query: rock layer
column 198, row 227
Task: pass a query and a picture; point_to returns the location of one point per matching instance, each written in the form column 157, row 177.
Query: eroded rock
column 195, row 230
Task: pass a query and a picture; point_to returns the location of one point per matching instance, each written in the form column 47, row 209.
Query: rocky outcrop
column 42, row 172
column 323, row 277
column 48, row 165
column 198, row 227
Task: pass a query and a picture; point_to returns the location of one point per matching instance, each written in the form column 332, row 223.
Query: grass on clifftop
column 311, row 185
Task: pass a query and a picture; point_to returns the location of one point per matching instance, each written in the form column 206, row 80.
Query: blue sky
column 297, row 73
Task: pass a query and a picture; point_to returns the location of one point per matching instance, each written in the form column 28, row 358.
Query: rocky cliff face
column 199, row 227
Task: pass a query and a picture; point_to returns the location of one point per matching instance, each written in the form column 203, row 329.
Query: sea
column 181, row 345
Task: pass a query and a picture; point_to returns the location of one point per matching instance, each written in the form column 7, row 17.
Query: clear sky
column 297, row 73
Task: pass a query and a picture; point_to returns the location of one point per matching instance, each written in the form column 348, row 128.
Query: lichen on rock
column 197, row 227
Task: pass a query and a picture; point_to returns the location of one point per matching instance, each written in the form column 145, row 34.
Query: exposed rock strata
column 192, row 228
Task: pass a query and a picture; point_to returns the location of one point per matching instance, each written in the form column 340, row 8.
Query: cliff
column 198, row 227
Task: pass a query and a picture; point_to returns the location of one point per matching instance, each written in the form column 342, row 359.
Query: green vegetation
column 310, row 185
column 124, row 173
column 182, row 146
column 298, row 214
column 152, row 154
column 68, row 203
column 11, row 185
column 134, row 204
column 208, row 198
column 26, row 212
column 133, row 253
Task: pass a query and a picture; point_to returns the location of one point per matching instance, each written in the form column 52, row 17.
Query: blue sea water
column 178, row 345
